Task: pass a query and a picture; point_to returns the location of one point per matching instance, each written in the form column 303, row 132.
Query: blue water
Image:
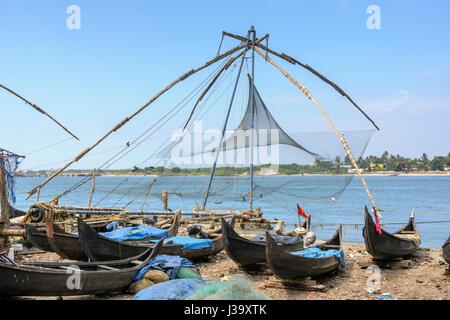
column 424, row 194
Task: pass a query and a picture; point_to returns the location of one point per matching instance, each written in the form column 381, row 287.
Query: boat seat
column 106, row 267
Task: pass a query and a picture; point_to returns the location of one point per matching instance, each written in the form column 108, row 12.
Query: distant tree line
column 398, row 163
column 385, row 162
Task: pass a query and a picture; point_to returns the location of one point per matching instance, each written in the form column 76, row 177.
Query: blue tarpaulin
column 178, row 289
column 317, row 253
column 168, row 264
column 190, row 243
column 135, row 233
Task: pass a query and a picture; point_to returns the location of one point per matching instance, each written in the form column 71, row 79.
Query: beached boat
column 247, row 252
column 290, row 266
column 65, row 244
column 37, row 237
column 67, row 279
column 388, row 246
column 100, row 248
column 446, row 250
column 68, row 245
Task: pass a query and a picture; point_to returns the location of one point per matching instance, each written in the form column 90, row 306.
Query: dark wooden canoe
column 99, row 248
column 65, row 244
column 37, row 237
column 387, row 246
column 446, row 250
column 295, row 267
column 247, row 252
column 60, row 279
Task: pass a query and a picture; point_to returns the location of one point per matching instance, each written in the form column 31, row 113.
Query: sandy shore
column 424, row 279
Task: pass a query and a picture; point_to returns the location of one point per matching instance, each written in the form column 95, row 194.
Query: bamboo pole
column 92, row 189
column 124, row 121
column 341, row 138
column 294, row 61
column 225, row 67
column 39, row 109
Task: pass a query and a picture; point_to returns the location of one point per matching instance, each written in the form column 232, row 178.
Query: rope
column 362, row 224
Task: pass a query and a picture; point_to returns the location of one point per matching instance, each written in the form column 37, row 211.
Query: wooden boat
column 65, row 244
column 246, row 252
column 292, row 267
column 390, row 246
column 38, row 238
column 446, row 250
column 99, row 248
column 66, row 279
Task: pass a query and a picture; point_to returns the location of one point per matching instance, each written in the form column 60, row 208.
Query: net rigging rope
column 102, row 167
column 201, row 106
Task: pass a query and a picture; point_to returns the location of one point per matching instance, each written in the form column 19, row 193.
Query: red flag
column 377, row 222
column 301, row 212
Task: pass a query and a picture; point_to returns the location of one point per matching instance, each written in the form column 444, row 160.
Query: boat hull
column 446, row 250
column 246, row 252
column 294, row 267
column 51, row 279
column 99, row 248
column 386, row 246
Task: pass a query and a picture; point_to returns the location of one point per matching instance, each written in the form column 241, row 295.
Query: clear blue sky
column 126, row 51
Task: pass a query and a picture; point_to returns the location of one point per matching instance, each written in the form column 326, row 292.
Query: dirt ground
column 422, row 277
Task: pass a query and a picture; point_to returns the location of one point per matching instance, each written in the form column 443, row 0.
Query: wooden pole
column 164, row 198
column 341, row 138
column 294, row 61
column 92, row 189
column 4, row 214
column 224, row 126
column 39, row 109
column 124, row 121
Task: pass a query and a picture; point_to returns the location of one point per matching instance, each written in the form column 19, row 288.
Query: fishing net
column 238, row 288
column 9, row 166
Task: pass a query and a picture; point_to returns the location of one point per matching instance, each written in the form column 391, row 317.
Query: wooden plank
column 296, row 285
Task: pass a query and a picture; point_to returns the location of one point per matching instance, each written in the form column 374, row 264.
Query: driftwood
column 124, row 121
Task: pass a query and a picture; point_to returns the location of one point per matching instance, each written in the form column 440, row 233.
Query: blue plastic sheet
column 317, row 253
column 190, row 243
column 112, row 226
column 168, row 264
column 135, row 233
column 178, row 289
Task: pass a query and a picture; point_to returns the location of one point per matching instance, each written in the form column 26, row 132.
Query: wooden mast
column 252, row 101
column 341, row 138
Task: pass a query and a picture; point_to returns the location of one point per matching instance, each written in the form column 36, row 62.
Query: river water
column 405, row 193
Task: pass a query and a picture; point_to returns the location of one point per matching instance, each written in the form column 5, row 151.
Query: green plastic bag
column 184, row 272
